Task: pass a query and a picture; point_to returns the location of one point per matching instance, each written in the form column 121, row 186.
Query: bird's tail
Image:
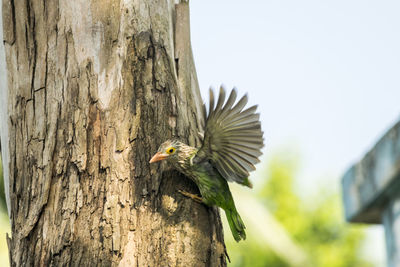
column 236, row 224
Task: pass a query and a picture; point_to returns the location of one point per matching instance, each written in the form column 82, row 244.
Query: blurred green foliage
column 315, row 224
column 4, row 222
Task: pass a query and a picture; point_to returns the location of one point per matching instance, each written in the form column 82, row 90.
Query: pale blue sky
column 324, row 73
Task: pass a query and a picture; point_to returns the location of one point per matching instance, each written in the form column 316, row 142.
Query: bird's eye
column 170, row 150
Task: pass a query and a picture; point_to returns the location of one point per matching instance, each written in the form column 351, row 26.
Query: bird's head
column 168, row 150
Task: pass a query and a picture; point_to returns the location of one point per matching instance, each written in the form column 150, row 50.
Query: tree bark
column 93, row 88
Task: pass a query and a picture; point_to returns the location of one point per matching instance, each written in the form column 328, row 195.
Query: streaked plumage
column 231, row 146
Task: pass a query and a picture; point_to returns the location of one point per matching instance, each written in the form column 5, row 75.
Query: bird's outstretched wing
column 232, row 137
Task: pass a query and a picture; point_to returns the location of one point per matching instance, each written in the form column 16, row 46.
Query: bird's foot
column 192, row 196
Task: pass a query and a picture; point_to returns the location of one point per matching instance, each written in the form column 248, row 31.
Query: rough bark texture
column 94, row 87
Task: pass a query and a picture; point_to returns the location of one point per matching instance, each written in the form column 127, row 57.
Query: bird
column 231, row 145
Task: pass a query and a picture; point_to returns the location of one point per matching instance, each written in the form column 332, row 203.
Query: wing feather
column 232, row 138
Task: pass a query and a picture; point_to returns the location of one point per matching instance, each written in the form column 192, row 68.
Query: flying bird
column 231, row 145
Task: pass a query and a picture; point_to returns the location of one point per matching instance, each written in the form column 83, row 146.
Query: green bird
column 231, row 145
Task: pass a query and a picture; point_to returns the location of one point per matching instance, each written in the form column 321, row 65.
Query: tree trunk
column 93, row 88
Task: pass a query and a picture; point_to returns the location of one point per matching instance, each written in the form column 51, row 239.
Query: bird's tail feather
column 236, row 224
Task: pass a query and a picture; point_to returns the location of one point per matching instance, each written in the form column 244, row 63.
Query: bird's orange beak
column 158, row 156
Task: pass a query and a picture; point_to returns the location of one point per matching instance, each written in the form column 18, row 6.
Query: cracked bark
column 93, row 89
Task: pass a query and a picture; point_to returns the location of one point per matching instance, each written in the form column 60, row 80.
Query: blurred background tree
column 316, row 223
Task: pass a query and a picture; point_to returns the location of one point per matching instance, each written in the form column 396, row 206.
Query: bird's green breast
column 213, row 187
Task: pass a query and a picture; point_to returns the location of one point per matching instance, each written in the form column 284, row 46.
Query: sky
column 325, row 75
